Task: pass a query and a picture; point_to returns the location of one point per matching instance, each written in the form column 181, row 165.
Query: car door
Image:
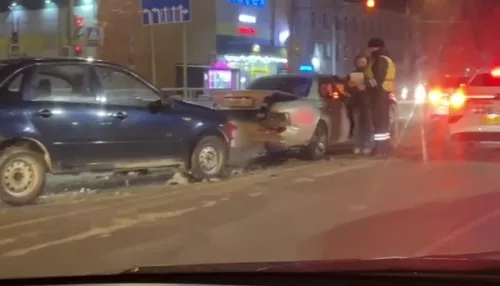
column 64, row 112
column 140, row 132
column 333, row 108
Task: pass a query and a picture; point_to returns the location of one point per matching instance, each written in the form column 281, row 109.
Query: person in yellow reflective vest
column 380, row 78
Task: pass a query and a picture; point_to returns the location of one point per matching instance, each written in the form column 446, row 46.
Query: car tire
column 209, row 158
column 23, row 174
column 318, row 146
column 394, row 125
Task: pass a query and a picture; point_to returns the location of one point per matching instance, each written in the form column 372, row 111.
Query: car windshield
column 448, row 82
column 297, row 85
column 242, row 135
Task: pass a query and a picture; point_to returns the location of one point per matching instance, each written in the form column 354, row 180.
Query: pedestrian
column 359, row 107
column 380, row 79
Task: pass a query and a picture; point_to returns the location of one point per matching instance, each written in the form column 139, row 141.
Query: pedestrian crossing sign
column 94, row 35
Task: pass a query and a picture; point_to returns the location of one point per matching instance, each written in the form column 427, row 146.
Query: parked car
column 72, row 115
column 292, row 112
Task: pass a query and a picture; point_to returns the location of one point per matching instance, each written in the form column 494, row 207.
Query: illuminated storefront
column 252, row 67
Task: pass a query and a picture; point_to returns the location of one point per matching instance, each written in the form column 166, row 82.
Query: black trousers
column 380, row 118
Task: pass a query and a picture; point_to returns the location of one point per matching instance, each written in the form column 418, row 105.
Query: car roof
column 63, row 60
column 303, row 75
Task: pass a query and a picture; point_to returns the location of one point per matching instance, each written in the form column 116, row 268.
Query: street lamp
column 370, row 4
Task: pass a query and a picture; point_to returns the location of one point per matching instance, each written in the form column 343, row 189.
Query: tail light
column 457, row 100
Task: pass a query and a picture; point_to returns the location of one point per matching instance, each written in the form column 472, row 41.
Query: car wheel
column 209, row 158
column 394, row 125
column 22, row 176
column 318, row 145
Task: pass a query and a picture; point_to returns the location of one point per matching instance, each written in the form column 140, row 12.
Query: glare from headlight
column 420, row 94
column 404, row 93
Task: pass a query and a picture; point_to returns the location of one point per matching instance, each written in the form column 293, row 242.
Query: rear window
column 295, row 85
column 485, row 79
column 448, row 82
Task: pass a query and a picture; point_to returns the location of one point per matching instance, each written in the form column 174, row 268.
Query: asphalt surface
column 417, row 203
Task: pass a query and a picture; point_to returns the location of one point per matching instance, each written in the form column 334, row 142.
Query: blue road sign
column 155, row 12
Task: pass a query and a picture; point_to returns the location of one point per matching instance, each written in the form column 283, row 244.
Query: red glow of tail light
column 495, row 72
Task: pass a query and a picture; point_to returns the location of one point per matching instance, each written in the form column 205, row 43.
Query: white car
column 474, row 114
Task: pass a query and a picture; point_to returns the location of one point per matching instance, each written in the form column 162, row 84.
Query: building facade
column 41, row 28
column 229, row 42
column 327, row 35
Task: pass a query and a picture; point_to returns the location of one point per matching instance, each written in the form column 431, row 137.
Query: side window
column 15, row 85
column 118, row 87
column 61, row 83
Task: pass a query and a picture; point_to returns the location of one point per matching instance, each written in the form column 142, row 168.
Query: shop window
column 220, row 79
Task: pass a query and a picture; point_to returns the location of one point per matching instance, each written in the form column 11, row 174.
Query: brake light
column 495, row 72
column 457, row 100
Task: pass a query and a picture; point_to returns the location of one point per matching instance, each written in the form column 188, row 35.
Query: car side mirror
column 158, row 106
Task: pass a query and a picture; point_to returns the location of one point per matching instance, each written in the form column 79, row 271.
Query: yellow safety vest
column 389, row 82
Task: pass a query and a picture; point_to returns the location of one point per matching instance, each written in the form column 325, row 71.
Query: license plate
column 237, row 102
column 490, row 120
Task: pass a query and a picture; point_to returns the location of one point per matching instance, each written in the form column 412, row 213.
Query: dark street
column 415, row 204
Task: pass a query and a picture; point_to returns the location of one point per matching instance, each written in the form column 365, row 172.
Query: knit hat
column 376, row 43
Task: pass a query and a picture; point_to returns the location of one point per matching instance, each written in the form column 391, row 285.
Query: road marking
column 119, row 224
column 209, row 204
column 304, row 180
column 427, row 250
column 7, row 241
column 346, row 169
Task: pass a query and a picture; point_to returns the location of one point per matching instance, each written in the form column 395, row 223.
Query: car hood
column 199, row 111
column 422, row 264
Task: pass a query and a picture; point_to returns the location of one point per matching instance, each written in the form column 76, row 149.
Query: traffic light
column 370, row 4
column 79, row 25
column 78, row 50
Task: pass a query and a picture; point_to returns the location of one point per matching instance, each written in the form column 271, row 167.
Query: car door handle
column 45, row 113
column 120, row 115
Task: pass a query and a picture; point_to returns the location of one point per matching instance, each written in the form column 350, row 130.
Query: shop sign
column 255, row 3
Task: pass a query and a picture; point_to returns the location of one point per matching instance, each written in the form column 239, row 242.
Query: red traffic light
column 370, row 3
column 78, row 49
column 79, row 21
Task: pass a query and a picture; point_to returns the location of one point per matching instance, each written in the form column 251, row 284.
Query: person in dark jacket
column 359, row 105
column 380, row 79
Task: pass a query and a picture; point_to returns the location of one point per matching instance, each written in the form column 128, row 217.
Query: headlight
column 420, row 94
column 404, row 93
